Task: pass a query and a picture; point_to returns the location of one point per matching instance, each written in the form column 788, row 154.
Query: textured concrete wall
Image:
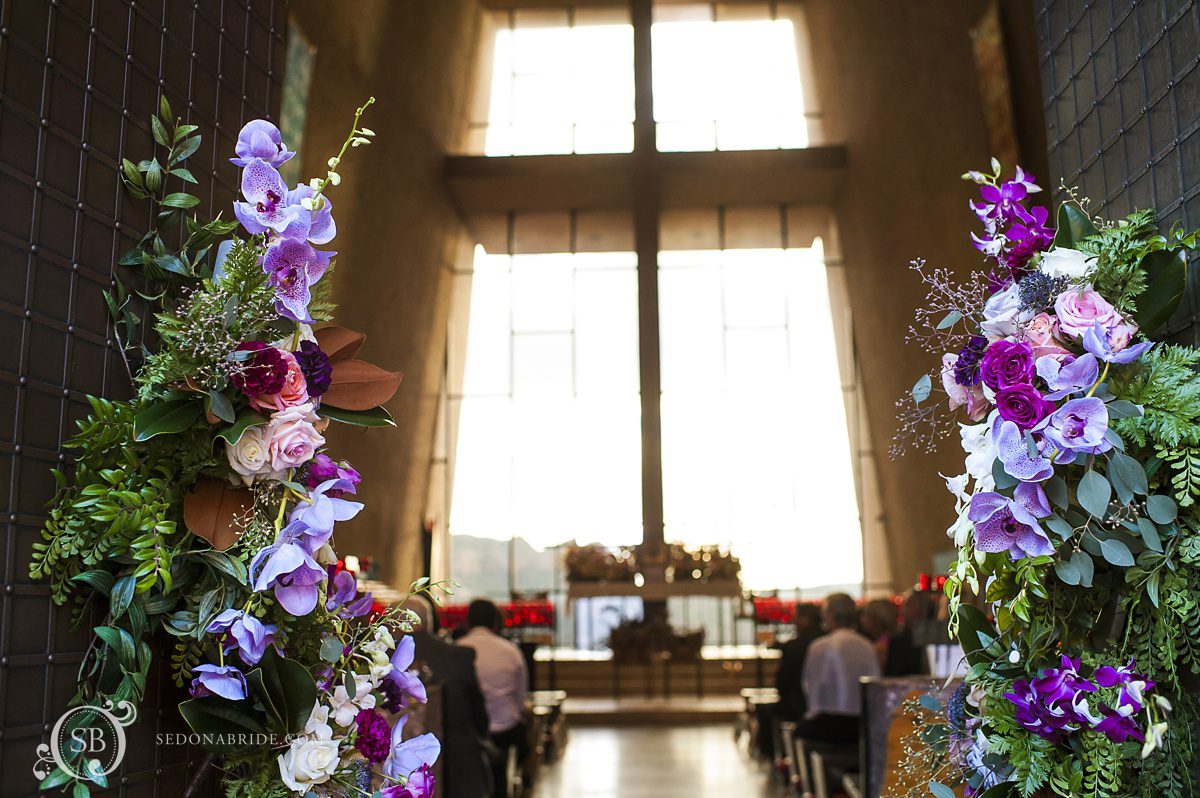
column 898, row 86
column 398, row 232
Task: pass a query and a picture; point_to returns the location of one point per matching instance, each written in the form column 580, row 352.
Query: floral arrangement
column 205, row 508
column 1076, row 590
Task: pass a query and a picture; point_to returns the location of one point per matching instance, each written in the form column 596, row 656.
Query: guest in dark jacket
column 466, row 771
column 906, row 654
column 789, row 679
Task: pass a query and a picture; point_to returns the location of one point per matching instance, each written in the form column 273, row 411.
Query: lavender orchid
column 266, row 207
column 401, row 677
column 1003, row 524
column 225, row 681
column 1065, row 377
column 294, row 267
column 260, row 140
column 1077, row 428
column 1098, row 342
column 1014, row 454
column 312, row 521
column 344, row 598
column 244, row 633
column 290, row 570
column 408, row 756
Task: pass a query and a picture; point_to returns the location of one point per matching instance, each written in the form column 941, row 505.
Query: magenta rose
column 1007, row 363
column 1023, row 405
column 1079, row 310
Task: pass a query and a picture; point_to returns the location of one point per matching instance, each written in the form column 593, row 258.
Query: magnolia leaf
column 1094, row 494
column 1162, row 509
column 1123, row 408
column 221, row 722
column 233, row 434
column 286, row 689
column 1166, row 279
column 339, row 343
column 920, row 390
column 1073, row 226
column 375, row 417
column 1116, row 552
column 358, row 385
column 212, row 509
column 165, row 418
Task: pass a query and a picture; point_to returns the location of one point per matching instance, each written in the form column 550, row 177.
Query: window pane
column 749, row 362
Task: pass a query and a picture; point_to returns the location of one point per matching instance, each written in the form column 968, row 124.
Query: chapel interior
column 645, row 266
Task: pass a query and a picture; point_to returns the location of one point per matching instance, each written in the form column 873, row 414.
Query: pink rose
column 1041, row 334
column 294, row 391
column 1079, row 310
column 977, row 405
column 292, row 440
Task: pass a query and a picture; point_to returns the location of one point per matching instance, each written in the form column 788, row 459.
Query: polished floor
column 654, row 762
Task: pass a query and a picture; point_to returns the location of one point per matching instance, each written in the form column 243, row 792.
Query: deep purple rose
column 374, row 739
column 1023, row 405
column 315, row 365
column 259, row 369
column 1007, row 363
column 966, row 368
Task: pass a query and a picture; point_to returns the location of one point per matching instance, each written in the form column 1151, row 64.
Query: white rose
column 346, row 708
column 1069, row 263
column 1002, row 313
column 250, row 456
column 309, row 761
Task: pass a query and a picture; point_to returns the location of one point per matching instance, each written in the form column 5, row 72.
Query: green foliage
column 1167, row 385
column 1183, row 467
column 321, row 306
column 1119, row 250
column 1103, row 762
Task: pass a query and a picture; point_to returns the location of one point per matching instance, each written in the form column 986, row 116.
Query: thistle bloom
column 225, row 681
column 1003, row 524
column 1077, row 428
column 408, row 756
column 294, row 267
column 259, row 139
column 244, row 633
column 290, row 571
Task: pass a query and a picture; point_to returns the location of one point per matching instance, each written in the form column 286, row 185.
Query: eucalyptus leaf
column 1060, row 527
column 1087, row 569
column 951, row 318
column 1068, row 572
column 940, row 790
column 1123, row 408
column 1002, row 478
column 1094, row 493
column 331, row 649
column 220, row 406
column 1130, row 471
column 1149, row 533
column 922, row 388
column 1116, row 552
column 1056, row 491
column 1162, row 509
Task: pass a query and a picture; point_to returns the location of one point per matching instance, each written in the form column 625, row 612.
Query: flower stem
column 1100, row 380
column 354, row 133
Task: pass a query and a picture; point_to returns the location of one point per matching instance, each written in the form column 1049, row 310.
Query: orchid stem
column 1102, row 376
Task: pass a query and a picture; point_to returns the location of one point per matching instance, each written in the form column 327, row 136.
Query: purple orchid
column 259, row 139
column 1030, row 227
column 1065, row 378
column 291, row 571
column 1119, row 723
column 225, row 681
column 408, row 756
column 294, row 267
column 401, row 675
column 266, row 206
column 317, row 226
column 419, row 785
column 1077, row 428
column 1054, row 704
column 1003, row 524
column 1014, row 454
column 243, row 632
column 311, row 522
column 323, row 467
column 344, row 597
column 1098, row 341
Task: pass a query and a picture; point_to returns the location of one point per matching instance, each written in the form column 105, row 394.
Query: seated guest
column 789, row 679
column 906, row 653
column 835, row 663
column 502, row 677
column 464, row 716
column 878, row 621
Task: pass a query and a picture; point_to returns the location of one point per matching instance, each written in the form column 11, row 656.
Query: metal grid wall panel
column 1121, row 84
column 79, row 80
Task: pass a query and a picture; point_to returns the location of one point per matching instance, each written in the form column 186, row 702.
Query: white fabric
column 501, row 670
column 832, row 668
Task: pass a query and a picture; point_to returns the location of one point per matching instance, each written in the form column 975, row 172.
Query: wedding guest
column 906, row 653
column 502, row 677
column 464, row 716
column 835, row 663
column 789, row 679
column 878, row 622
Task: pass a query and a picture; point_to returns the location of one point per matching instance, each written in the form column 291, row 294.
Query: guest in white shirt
column 504, row 682
column 835, row 663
